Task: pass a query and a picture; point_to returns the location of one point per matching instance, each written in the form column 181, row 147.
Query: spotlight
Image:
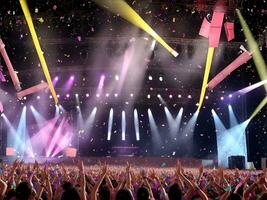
column 222, row 98
column 230, row 96
column 97, row 95
column 67, row 95
column 72, row 77
column 160, row 78
column 148, row 96
column 107, row 94
column 2, row 115
column 150, row 78
column 206, row 97
column 158, row 95
column 179, row 96
column 76, row 95
column 24, row 98
column 50, row 97
column 117, row 77
column 131, row 94
column 56, row 78
column 170, row 96
column 58, row 95
column 189, row 96
column 87, row 95
column 38, row 97
column 116, row 95
column 77, row 107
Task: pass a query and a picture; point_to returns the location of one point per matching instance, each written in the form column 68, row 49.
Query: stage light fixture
column 150, row 78
column 67, row 95
column 160, row 78
column 189, row 96
column 179, row 96
column 87, row 95
column 116, row 95
column 148, row 96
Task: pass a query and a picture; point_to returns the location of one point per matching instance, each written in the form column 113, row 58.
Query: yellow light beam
column 125, row 11
column 206, row 77
column 39, row 51
column 254, row 48
column 259, row 107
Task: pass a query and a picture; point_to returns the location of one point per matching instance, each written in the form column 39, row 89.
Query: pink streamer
column 10, row 68
column 1, row 107
column 32, row 90
column 2, row 76
column 215, row 29
column 240, row 60
column 229, row 30
column 205, row 28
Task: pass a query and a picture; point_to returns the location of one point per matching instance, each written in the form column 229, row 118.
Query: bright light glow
column 123, row 125
column 136, row 125
column 148, row 96
column 67, row 95
column 179, row 96
column 107, row 94
column 150, row 78
column 72, row 78
column 38, row 97
column 117, row 77
column 110, row 122
column 156, row 140
column 153, row 45
column 161, row 78
column 131, row 95
column 251, row 87
column 97, row 95
column 87, row 95
column 230, row 142
column 174, row 123
column 170, row 96
column 189, row 96
column 116, row 95
column 222, row 98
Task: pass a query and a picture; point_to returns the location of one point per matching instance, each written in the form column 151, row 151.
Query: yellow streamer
column 259, row 107
column 254, row 48
column 206, row 77
column 39, row 51
column 125, row 11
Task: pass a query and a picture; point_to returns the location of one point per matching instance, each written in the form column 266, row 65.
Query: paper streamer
column 32, row 90
column 229, row 30
column 2, row 76
column 39, row 51
column 206, row 77
column 125, row 11
column 205, row 28
column 215, row 29
column 240, row 60
column 1, row 107
column 10, row 68
column 259, row 107
column 254, row 48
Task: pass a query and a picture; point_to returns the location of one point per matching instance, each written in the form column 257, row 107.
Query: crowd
column 21, row 181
